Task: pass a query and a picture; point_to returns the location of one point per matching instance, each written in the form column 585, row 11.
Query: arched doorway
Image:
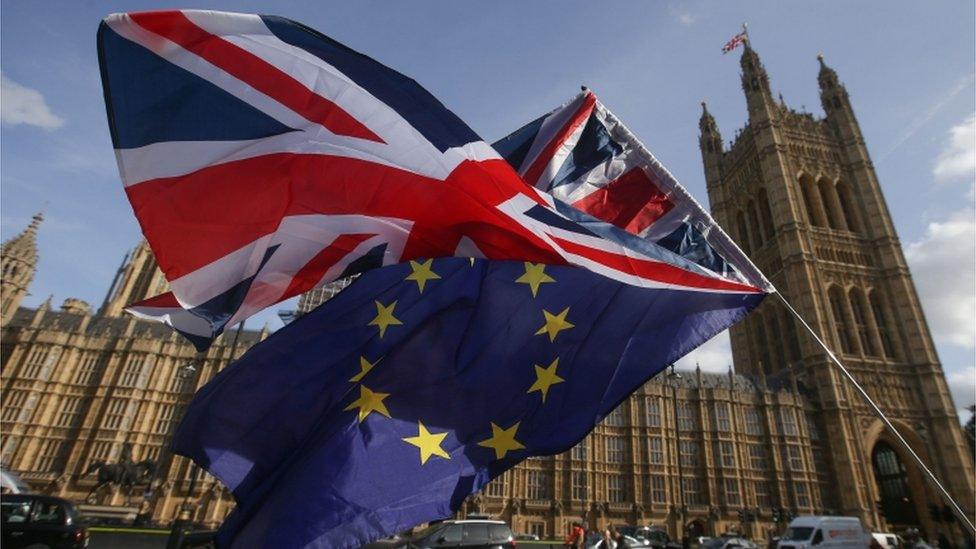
column 695, row 529
column 896, row 502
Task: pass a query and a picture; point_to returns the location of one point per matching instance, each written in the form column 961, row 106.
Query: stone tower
column 18, row 263
column 138, row 278
column 800, row 195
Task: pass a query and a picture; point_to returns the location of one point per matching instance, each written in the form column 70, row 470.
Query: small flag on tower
column 735, row 41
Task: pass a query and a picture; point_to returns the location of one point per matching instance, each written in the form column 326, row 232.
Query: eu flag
column 419, row 383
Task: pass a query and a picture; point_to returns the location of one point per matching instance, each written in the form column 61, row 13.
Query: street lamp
column 188, row 372
column 184, row 521
column 673, row 378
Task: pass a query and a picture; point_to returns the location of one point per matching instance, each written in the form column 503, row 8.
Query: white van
column 809, row 532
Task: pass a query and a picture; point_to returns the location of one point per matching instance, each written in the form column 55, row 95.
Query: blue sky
column 908, row 66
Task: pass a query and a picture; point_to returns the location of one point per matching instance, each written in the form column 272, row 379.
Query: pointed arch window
column 811, row 200
column 765, row 215
column 757, row 238
column 828, row 196
column 761, row 344
column 743, row 230
column 778, row 353
column 892, row 480
column 789, row 334
column 881, row 320
column 848, row 206
column 859, row 310
column 836, row 297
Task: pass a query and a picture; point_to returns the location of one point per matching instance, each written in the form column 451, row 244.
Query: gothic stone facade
column 687, row 453
column 801, row 197
column 78, row 386
column 684, row 451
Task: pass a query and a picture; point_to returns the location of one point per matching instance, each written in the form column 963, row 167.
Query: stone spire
column 139, row 278
column 755, row 84
column 24, row 245
column 827, row 76
column 706, row 124
column 18, row 263
column 710, row 143
column 754, row 76
column 833, row 95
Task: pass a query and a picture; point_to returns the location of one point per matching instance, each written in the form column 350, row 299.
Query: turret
column 710, row 142
column 18, row 263
column 140, row 278
column 833, row 95
column 755, row 84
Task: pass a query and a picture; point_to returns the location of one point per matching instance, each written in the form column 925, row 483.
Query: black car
column 650, row 536
column 40, row 521
column 482, row 534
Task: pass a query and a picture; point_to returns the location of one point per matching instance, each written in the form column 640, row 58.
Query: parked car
column 659, row 539
column 593, row 540
column 481, row 534
column 885, row 540
column 728, row 542
column 40, row 521
column 807, row 531
column 10, row 483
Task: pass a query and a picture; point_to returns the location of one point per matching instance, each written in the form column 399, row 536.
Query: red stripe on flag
column 632, row 202
column 162, row 300
column 195, row 219
column 653, row 270
column 251, row 69
column 313, row 271
column 545, row 156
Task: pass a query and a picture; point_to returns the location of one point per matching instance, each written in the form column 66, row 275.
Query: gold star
column 369, row 401
column 545, row 378
column 384, row 317
column 535, row 275
column 364, row 367
column 429, row 443
column 502, row 440
column 421, row 273
column 555, row 324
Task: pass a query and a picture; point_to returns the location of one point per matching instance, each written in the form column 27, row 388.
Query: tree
column 970, row 429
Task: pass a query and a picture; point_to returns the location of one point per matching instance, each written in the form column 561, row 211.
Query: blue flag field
column 419, row 383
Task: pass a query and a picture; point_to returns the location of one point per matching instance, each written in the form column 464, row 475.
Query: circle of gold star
column 502, row 440
column 384, row 317
column 429, row 443
column 364, row 367
column 545, row 378
column 555, row 324
column 535, row 276
column 421, row 273
column 369, row 402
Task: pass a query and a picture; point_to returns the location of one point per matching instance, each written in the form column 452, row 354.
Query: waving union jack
column 263, row 159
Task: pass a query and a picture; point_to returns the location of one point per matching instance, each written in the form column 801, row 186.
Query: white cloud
column 958, row 161
column 683, row 17
column 715, row 355
column 962, row 385
column 942, row 264
column 918, row 122
column 23, row 105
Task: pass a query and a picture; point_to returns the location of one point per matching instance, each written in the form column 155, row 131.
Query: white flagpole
column 931, row 476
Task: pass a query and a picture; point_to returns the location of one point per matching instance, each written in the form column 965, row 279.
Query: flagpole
column 877, row 410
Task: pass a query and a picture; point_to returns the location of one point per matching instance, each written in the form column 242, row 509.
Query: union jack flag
column 584, row 156
column 263, row 159
column 735, row 42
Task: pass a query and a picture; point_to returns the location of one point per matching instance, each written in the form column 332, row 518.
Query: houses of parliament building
column 697, row 453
